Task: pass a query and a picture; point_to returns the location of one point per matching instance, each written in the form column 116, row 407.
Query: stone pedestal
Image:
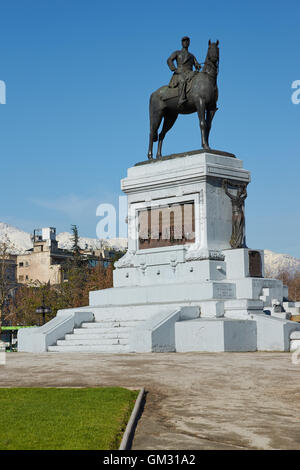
column 189, row 189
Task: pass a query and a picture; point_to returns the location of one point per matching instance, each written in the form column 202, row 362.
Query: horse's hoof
column 150, row 157
column 158, row 157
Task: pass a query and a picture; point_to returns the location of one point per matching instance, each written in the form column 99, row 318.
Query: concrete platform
column 194, row 400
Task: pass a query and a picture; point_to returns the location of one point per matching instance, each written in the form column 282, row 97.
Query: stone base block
column 242, row 308
column 215, row 335
column 243, row 262
column 212, row 309
column 183, row 293
column 259, row 288
column 284, row 315
column 295, row 341
column 273, row 334
column 168, row 268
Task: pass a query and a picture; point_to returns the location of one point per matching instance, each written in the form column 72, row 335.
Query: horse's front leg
column 209, row 117
column 150, row 148
column 202, row 122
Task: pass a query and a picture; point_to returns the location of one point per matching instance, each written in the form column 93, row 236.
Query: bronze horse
column 201, row 98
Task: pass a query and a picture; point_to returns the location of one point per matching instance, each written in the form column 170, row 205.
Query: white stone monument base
column 196, row 295
column 181, row 317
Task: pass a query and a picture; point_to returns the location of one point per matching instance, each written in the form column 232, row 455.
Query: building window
column 21, row 265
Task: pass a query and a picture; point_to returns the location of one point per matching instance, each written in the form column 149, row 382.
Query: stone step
column 295, row 335
column 289, row 304
column 92, row 342
column 104, row 330
column 294, row 344
column 294, row 340
column 102, row 336
column 293, row 310
column 111, row 324
column 92, row 335
column 283, row 315
column 108, row 348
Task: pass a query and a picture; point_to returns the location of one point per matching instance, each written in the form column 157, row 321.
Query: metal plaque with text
column 169, row 225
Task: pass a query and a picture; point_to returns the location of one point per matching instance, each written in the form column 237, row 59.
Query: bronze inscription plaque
column 255, row 265
column 169, row 225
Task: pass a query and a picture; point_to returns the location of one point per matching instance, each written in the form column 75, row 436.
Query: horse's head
column 213, row 51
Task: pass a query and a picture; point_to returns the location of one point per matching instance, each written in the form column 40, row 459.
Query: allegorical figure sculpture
column 183, row 73
column 189, row 91
column 238, row 213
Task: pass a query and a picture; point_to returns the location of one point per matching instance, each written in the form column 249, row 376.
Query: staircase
column 108, row 336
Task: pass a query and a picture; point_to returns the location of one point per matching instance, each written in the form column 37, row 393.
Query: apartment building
column 44, row 262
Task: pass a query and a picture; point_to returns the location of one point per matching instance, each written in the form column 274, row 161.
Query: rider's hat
column 184, row 38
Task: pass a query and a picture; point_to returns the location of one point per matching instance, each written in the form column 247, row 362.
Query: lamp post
column 43, row 310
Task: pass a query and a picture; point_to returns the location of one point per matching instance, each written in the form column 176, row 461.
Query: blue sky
column 79, row 75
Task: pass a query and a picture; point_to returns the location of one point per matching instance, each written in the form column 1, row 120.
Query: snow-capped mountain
column 21, row 241
column 18, row 240
column 279, row 262
column 65, row 241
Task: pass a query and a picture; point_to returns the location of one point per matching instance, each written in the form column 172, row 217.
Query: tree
column 292, row 281
column 6, row 283
column 27, row 299
column 75, row 245
column 81, row 276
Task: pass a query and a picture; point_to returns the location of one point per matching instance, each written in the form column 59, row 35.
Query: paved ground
column 194, row 400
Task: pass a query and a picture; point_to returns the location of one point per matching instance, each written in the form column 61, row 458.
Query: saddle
column 169, row 92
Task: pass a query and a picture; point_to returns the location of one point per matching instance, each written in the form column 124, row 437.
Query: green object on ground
column 7, row 328
column 64, row 418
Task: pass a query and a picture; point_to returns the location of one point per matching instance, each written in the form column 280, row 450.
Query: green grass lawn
column 64, row 418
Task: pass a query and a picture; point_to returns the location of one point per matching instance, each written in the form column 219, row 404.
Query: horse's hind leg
column 155, row 120
column 169, row 120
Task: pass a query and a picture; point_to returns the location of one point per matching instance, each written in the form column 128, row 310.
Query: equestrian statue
column 189, row 91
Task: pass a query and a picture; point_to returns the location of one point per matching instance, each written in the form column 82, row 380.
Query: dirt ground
column 194, row 400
